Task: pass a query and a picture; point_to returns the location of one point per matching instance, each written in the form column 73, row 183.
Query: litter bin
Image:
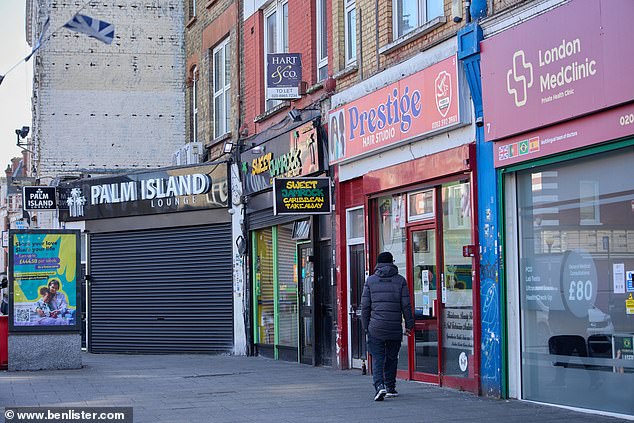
column 4, row 342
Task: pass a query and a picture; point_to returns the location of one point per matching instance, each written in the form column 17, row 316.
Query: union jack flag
column 101, row 30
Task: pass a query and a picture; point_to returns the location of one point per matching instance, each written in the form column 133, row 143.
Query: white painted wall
column 101, row 108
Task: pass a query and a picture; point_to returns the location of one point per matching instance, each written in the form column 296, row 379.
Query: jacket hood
column 385, row 270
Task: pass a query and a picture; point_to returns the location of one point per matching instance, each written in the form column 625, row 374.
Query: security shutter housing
column 165, row 290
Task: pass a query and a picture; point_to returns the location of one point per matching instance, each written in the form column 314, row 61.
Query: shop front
column 158, row 260
column 406, row 185
column 568, row 203
column 289, row 230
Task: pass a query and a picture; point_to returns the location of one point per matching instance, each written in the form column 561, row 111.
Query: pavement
column 224, row 388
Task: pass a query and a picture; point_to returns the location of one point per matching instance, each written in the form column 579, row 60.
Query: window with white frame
column 351, row 32
column 410, row 14
column 322, row 41
column 275, row 35
column 221, row 88
column 193, row 98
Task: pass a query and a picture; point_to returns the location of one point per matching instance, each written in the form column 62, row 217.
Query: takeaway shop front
column 288, row 224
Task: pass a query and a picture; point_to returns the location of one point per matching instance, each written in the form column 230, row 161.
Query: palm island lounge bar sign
column 164, row 190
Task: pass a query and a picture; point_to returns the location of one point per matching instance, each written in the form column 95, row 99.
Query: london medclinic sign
column 161, row 191
column 560, row 65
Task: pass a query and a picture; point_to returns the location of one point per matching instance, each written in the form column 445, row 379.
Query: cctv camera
column 479, row 122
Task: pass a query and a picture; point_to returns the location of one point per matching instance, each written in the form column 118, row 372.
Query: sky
column 15, row 90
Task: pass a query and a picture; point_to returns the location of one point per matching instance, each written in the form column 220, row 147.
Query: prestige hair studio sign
column 301, row 196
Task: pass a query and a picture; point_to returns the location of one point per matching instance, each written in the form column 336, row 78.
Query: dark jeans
column 384, row 361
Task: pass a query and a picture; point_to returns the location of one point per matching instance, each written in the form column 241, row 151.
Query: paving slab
column 225, row 388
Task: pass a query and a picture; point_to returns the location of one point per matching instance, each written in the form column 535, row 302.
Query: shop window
column 410, row 14
column 391, row 227
column 275, row 35
column 287, row 287
column 275, row 287
column 457, row 206
column 264, row 286
column 457, row 294
column 420, row 205
column 351, row 32
column 575, row 329
column 222, row 88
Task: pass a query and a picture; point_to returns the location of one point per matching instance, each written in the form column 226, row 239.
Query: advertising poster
column 43, row 267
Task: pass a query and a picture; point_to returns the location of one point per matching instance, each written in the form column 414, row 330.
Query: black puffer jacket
column 385, row 299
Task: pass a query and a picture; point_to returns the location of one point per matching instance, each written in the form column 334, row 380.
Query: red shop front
column 423, row 212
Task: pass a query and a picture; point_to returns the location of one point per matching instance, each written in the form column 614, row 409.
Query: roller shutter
column 165, row 290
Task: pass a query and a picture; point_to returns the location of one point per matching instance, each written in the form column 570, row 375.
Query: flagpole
column 39, row 44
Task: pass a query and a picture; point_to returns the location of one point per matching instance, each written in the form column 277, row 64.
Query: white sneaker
column 380, row 393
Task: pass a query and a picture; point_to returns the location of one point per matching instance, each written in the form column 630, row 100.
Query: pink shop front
column 558, row 105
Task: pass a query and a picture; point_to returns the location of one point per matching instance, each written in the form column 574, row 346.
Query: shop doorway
column 429, row 233
column 356, row 280
column 425, row 351
column 324, row 313
column 306, row 299
column 355, row 265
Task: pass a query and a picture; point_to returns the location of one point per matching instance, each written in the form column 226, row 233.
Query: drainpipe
column 492, row 360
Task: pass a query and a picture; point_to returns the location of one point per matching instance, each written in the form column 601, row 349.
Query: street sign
column 39, row 198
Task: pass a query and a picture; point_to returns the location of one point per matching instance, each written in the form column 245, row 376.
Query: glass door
column 426, row 301
column 458, row 360
column 306, row 300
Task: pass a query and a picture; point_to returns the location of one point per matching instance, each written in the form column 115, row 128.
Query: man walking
column 384, row 302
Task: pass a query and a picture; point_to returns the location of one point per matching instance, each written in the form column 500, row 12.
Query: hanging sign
column 283, row 75
column 301, row 196
column 39, row 198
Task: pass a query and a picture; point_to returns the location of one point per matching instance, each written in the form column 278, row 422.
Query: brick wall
column 369, row 60
column 302, row 39
column 214, row 22
column 100, row 108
